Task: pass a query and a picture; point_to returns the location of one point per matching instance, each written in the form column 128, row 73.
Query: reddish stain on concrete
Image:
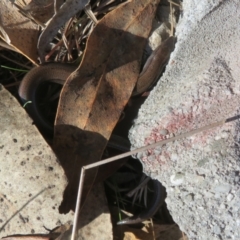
column 176, row 124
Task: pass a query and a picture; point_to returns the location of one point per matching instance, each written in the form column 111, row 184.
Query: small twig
column 14, row 69
column 65, row 40
column 6, row 45
column 112, row 159
column 153, row 232
column 12, row 84
column 18, row 63
column 173, row 3
column 28, row 15
column 90, row 14
column 171, row 14
column 142, row 183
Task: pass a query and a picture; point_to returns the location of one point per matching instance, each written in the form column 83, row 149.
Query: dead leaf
column 143, row 231
column 18, row 31
column 168, row 232
column 23, row 2
column 95, row 95
column 68, row 9
column 41, row 11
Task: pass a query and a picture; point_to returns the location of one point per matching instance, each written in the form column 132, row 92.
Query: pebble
column 230, row 197
column 177, row 179
column 222, row 189
column 216, row 229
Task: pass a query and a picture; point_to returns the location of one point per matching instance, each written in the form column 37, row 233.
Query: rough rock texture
column 31, row 179
column 201, row 85
column 94, row 221
column 32, row 182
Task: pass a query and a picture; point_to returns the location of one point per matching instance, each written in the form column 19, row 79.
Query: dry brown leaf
column 19, row 31
column 23, row 2
column 68, row 9
column 41, row 11
column 143, row 231
column 134, row 233
column 168, row 232
column 95, row 95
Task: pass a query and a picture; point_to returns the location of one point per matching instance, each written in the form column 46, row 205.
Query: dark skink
column 59, row 72
column 53, row 72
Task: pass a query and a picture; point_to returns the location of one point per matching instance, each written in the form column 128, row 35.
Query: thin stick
column 18, row 63
column 171, row 14
column 90, row 14
column 140, row 185
column 112, row 159
column 160, row 143
column 80, row 187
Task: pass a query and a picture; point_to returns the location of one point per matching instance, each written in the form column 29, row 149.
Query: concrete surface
column 201, row 85
column 31, row 180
